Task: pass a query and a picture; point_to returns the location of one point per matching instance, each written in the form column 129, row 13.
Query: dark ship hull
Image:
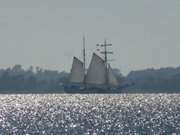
column 75, row 89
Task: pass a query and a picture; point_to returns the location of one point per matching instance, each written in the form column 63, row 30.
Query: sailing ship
column 98, row 78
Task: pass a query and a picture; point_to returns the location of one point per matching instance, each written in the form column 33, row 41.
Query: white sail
column 111, row 77
column 77, row 71
column 97, row 71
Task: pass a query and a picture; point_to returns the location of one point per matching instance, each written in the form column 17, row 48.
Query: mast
column 84, row 53
column 84, row 61
column 106, row 52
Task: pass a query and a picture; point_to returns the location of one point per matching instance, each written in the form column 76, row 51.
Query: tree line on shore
column 155, row 80
column 17, row 79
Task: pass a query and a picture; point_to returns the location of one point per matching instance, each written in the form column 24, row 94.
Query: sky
column 48, row 33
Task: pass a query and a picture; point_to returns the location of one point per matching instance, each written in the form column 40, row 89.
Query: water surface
column 90, row 114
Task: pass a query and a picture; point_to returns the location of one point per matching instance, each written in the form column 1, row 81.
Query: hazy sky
column 48, row 33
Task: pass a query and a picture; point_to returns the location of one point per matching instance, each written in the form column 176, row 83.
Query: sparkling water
column 92, row 114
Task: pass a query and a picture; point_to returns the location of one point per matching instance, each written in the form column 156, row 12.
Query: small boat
column 98, row 78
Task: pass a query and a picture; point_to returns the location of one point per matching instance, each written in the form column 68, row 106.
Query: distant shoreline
column 17, row 80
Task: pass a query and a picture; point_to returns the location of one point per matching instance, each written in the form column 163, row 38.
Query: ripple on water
column 90, row 114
